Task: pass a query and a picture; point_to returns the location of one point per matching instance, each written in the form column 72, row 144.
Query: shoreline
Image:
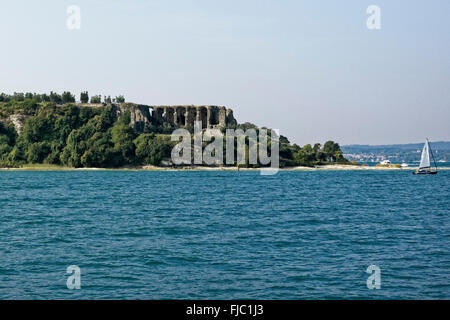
column 337, row 167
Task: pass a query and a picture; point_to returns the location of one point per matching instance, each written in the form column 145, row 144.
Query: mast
column 432, row 155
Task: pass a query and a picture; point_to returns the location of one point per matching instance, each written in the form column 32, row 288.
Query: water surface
column 224, row 235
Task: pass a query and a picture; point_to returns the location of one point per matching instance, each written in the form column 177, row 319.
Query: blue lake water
column 224, row 235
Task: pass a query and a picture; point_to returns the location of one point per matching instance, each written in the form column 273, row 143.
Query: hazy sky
column 309, row 68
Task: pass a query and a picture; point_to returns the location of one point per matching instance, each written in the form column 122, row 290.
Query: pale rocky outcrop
column 18, row 120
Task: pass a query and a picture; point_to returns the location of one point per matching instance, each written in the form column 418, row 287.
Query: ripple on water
column 224, row 235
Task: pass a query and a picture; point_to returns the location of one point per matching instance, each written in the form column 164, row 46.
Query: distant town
column 396, row 153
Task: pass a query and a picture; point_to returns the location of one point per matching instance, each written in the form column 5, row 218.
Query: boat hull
column 425, row 172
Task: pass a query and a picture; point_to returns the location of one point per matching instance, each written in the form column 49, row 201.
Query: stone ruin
column 179, row 116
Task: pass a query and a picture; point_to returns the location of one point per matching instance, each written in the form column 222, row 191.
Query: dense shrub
column 96, row 99
column 152, row 149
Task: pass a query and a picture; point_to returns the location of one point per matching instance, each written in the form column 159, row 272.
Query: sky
column 311, row 69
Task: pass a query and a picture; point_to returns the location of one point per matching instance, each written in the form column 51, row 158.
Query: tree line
column 65, row 97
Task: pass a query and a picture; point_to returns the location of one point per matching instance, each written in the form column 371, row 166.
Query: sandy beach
column 204, row 168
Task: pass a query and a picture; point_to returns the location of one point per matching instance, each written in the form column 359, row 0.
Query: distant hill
column 440, row 145
column 395, row 152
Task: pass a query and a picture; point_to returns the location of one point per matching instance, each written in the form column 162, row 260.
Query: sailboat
column 425, row 167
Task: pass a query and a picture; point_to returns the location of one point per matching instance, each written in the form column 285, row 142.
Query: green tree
column 5, row 147
column 44, row 97
column 330, row 148
column 122, row 136
column 152, row 149
column 56, row 98
column 38, row 129
column 338, row 156
column 18, row 96
column 120, row 99
column 100, row 152
column 305, row 156
column 9, row 132
column 84, row 97
column 37, row 152
column 96, row 99
column 7, row 140
column 104, row 120
column 67, row 97
column 74, row 149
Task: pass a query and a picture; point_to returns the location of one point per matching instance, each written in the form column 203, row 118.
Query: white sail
column 425, row 159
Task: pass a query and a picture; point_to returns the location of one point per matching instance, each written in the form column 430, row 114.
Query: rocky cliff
column 177, row 116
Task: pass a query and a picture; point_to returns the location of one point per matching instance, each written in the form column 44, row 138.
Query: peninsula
column 56, row 130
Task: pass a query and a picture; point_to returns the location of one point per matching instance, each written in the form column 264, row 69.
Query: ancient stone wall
column 179, row 116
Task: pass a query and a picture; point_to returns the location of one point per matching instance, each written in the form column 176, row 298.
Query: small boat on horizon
column 425, row 166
